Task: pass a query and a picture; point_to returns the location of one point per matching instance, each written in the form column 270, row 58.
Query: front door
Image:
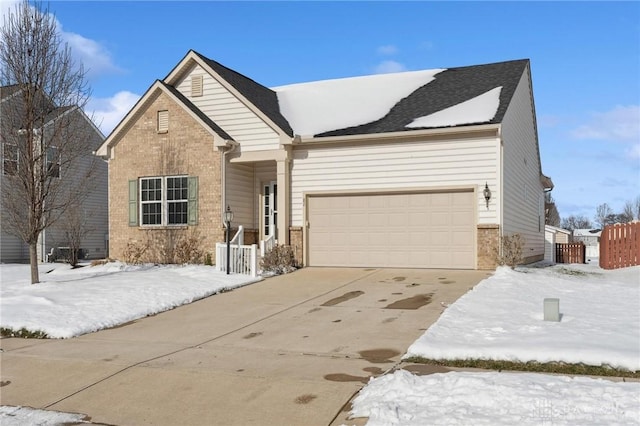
column 270, row 216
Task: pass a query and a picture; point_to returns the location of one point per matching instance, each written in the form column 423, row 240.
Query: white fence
column 243, row 259
column 267, row 245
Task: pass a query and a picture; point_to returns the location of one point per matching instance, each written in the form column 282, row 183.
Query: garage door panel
column 423, row 230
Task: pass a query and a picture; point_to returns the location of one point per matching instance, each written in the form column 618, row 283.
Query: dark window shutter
column 192, row 208
column 133, row 202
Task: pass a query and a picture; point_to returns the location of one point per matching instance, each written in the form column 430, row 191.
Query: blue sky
column 585, row 61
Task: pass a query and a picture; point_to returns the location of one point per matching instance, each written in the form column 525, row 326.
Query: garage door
column 417, row 230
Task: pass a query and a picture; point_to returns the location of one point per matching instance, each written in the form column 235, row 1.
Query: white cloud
column 386, row 67
column 107, row 112
column 95, row 58
column 388, row 49
column 634, row 152
column 621, row 124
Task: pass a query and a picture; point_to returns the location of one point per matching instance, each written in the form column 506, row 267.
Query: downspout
column 230, row 146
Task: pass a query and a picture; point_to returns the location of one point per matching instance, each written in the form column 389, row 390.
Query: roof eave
column 480, row 128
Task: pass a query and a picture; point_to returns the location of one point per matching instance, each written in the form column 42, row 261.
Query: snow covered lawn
column 70, row 302
column 502, row 319
column 508, row 399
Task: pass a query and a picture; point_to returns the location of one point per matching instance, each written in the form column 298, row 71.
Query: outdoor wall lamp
column 228, row 217
column 487, row 194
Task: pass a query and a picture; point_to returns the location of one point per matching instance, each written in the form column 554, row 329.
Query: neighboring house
column 553, row 235
column 591, row 239
column 94, row 208
column 375, row 171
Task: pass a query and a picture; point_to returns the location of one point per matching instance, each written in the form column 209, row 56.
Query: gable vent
column 163, row 121
column 196, row 85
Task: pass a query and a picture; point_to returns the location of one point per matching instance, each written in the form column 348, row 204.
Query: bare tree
column 552, row 217
column 604, row 215
column 45, row 139
column 76, row 225
column 631, row 210
column 576, row 222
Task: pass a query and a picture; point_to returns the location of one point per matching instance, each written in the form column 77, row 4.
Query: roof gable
column 142, row 104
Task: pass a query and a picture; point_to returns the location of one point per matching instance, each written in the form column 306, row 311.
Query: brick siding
column 488, row 243
column 185, row 149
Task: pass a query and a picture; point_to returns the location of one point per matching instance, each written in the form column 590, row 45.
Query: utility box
column 551, row 309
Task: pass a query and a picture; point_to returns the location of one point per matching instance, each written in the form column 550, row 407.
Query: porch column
column 284, row 207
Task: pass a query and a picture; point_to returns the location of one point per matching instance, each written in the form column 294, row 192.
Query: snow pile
column 502, row 318
column 321, row 106
column 480, row 109
column 20, row 416
column 70, row 302
column 496, row 399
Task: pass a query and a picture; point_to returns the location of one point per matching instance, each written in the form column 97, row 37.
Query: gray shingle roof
column 450, row 87
column 6, row 91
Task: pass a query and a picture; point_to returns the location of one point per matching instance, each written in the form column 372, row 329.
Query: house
column 553, row 235
column 591, row 240
column 92, row 213
column 423, row 169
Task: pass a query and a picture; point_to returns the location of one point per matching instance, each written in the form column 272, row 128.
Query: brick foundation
column 488, row 245
column 296, row 243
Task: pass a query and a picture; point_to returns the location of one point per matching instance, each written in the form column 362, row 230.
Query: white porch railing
column 267, row 245
column 243, row 259
column 238, row 239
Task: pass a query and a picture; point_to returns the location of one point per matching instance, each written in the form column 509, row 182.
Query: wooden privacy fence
column 570, row 252
column 620, row 245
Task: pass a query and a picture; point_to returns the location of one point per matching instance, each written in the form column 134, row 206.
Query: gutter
column 230, row 146
column 302, row 139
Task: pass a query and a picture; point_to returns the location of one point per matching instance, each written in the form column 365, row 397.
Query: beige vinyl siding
column 423, row 165
column 523, row 193
column 234, row 117
column 240, row 190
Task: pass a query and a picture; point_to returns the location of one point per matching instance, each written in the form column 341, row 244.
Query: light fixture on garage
column 487, row 194
column 228, row 217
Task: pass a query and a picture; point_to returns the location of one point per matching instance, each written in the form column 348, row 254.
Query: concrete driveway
column 292, row 349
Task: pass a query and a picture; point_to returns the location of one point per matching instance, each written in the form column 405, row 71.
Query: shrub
column 98, row 262
column 280, row 260
column 207, row 260
column 134, row 251
column 512, row 247
column 189, row 249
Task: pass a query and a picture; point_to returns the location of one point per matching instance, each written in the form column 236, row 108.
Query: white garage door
column 417, row 230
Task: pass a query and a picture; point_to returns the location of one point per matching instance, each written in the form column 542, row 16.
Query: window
column 170, row 200
column 53, row 162
column 9, row 159
column 151, row 201
column 177, row 200
column 163, row 121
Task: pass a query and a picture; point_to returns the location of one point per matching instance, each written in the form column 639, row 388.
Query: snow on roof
column 556, row 229
column 322, row 106
column 480, row 109
column 587, row 232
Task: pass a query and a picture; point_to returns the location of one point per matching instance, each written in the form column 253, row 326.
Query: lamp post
column 228, row 217
column 487, row 194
